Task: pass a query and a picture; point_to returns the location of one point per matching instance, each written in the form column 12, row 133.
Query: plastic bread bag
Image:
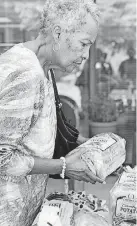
column 88, row 203
column 89, row 219
column 103, row 153
column 123, row 199
column 60, row 202
column 49, row 216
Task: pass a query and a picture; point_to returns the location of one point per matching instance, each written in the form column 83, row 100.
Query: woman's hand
column 81, row 139
column 77, row 169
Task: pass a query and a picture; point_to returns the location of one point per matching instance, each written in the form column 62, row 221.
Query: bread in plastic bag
column 103, row 153
column 56, row 209
column 89, row 219
column 123, row 200
column 49, row 216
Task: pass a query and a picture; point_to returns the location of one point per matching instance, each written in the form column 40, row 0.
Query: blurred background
column 102, row 96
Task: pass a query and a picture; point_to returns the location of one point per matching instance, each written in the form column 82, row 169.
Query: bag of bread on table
column 103, row 153
column 123, row 199
column 56, row 211
column 89, row 219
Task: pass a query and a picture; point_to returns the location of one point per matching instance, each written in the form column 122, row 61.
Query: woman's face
column 74, row 47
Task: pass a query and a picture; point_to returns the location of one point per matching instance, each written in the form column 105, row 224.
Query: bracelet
column 63, row 168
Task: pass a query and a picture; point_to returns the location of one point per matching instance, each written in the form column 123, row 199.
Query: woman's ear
column 56, row 31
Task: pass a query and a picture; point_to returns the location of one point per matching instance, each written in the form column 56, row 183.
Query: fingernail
column 104, row 182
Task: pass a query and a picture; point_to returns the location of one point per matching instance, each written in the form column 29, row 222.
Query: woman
column 27, row 108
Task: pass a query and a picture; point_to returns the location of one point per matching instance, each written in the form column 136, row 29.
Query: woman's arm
column 18, row 92
column 47, row 166
column 75, row 168
column 14, row 163
column 17, row 97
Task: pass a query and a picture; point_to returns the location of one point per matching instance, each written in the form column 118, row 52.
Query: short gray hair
column 70, row 13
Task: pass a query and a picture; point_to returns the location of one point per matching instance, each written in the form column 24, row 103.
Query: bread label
column 128, row 178
column 103, row 142
column 126, row 209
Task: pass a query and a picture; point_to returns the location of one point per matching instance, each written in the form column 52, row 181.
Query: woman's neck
column 44, row 53
column 40, row 49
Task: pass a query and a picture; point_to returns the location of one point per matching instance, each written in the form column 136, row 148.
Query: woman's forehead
column 87, row 32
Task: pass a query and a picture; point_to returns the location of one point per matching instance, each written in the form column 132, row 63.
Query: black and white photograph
column 68, row 113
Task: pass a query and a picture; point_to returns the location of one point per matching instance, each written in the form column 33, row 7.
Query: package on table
column 89, row 219
column 56, row 213
column 123, row 200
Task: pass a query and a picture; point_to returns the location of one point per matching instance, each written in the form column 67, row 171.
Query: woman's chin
column 71, row 69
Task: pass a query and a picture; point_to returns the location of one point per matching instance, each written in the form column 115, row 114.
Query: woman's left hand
column 81, row 139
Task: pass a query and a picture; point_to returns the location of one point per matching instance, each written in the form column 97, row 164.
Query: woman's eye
column 83, row 44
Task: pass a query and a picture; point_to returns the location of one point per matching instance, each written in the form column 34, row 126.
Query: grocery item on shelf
column 103, row 153
column 123, row 199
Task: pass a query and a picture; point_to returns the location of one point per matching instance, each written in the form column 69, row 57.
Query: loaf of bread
column 123, row 200
column 89, row 219
column 56, row 212
column 103, row 153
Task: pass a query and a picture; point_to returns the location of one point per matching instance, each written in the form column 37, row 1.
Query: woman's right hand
column 77, row 169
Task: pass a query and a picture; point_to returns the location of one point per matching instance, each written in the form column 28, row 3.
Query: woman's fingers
column 89, row 180
column 93, row 177
column 81, row 176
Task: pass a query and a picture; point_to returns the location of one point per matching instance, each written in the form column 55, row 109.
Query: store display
column 103, row 153
column 123, row 200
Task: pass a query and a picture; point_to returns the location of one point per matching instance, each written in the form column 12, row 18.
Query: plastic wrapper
column 57, row 210
column 87, row 202
column 89, row 219
column 65, row 211
column 49, row 216
column 123, row 199
column 103, row 153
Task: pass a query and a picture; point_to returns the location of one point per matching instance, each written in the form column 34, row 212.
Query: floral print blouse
column 27, row 129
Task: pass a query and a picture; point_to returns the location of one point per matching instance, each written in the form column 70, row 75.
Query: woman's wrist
column 47, row 166
column 58, row 166
column 63, row 167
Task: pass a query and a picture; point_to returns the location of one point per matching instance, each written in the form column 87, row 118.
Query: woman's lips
column 77, row 62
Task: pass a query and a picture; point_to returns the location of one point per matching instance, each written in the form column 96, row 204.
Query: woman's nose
column 84, row 58
column 86, row 54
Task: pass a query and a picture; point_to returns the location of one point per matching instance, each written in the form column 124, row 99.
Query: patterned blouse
column 27, row 129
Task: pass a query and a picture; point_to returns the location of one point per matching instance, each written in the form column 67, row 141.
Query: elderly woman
column 28, row 112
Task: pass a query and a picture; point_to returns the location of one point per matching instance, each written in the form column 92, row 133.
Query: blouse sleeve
column 17, row 98
column 13, row 162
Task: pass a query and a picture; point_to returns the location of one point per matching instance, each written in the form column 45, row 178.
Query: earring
column 56, row 46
